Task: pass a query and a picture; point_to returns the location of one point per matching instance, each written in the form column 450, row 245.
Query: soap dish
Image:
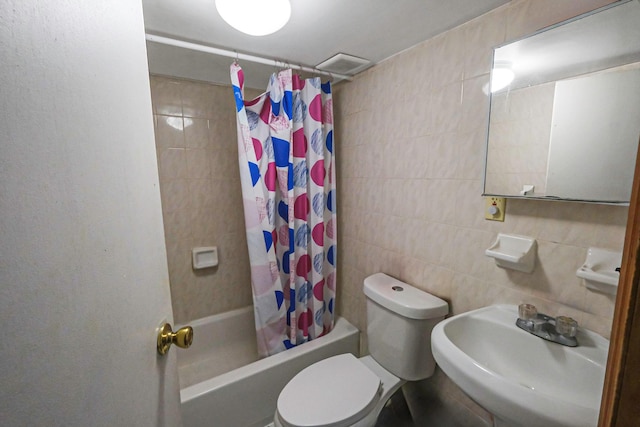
column 514, row 252
column 600, row 270
column 204, row 257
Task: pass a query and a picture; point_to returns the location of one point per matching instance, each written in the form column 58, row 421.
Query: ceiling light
column 255, row 17
column 501, row 76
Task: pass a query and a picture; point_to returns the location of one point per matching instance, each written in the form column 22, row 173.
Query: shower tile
column 200, row 193
column 196, row 132
column 197, row 100
column 165, row 96
column 232, row 246
column 204, row 222
column 198, row 166
column 224, row 165
column 169, row 132
column 177, row 224
column 172, row 164
column 174, row 195
column 222, row 134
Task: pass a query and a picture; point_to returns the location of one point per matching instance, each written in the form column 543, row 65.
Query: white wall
column 83, row 274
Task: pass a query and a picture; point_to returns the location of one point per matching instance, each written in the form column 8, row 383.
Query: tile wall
column 201, row 195
column 410, row 135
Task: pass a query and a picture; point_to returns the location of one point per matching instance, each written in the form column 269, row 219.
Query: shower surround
column 201, row 196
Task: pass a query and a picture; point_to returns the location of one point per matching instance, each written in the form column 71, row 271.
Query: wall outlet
column 494, row 208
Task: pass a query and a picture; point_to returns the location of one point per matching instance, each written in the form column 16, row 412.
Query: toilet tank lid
column 403, row 298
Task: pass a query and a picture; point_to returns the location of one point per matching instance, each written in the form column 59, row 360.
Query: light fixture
column 501, row 76
column 255, row 17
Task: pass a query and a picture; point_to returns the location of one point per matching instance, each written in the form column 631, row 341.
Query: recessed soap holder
column 204, row 257
column 514, row 252
column 600, row 270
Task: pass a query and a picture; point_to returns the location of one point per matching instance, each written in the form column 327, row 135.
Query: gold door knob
column 183, row 338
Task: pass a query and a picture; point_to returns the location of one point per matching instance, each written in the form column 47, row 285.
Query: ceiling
column 369, row 29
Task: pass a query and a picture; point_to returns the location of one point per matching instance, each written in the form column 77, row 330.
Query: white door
column 83, row 273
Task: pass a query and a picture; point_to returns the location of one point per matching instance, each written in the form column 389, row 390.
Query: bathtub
column 222, row 381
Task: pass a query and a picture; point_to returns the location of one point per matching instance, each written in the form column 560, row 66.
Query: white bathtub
column 223, row 383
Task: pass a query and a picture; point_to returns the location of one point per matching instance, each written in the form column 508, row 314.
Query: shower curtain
column 287, row 173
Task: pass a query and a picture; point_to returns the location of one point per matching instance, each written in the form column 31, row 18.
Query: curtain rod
column 235, row 55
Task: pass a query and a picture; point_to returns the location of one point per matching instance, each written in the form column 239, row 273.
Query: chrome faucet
column 561, row 330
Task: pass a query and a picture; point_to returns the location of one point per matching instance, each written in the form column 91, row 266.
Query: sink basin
column 521, row 379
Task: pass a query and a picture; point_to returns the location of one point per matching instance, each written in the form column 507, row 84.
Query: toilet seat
column 335, row 392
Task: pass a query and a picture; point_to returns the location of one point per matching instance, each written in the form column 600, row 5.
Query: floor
column 429, row 414
column 396, row 413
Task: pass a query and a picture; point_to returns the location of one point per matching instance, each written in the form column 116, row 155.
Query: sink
column 521, row 379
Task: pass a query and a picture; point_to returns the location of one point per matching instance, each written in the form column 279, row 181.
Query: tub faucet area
column 561, row 330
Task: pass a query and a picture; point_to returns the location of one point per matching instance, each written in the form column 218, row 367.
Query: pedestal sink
column 521, row 379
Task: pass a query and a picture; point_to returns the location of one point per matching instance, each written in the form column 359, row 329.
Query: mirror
column 565, row 110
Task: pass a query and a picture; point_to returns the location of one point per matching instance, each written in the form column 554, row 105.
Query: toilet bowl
column 344, row 391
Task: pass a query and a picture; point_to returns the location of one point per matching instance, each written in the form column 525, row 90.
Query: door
column 83, row 272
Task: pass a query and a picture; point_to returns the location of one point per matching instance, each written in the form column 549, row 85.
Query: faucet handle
column 527, row 311
column 566, row 326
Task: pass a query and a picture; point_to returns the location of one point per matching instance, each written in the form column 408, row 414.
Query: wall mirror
column 565, row 110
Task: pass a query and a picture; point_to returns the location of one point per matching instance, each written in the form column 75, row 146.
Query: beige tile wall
column 201, row 195
column 410, row 135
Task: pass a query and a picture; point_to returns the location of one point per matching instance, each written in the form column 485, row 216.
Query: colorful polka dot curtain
column 287, row 172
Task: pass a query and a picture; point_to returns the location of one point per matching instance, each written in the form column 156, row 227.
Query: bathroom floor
column 396, row 413
column 428, row 414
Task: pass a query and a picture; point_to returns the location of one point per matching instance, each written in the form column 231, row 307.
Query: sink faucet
column 561, row 330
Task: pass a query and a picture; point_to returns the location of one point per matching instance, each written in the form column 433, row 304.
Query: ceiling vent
column 343, row 64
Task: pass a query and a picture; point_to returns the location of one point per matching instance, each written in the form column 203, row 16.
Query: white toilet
column 343, row 391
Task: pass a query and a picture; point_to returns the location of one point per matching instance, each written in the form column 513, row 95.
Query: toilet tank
column 400, row 319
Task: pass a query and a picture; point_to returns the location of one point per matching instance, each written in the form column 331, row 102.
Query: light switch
column 494, row 208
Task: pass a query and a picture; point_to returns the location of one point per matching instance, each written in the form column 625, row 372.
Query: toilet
column 344, row 391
